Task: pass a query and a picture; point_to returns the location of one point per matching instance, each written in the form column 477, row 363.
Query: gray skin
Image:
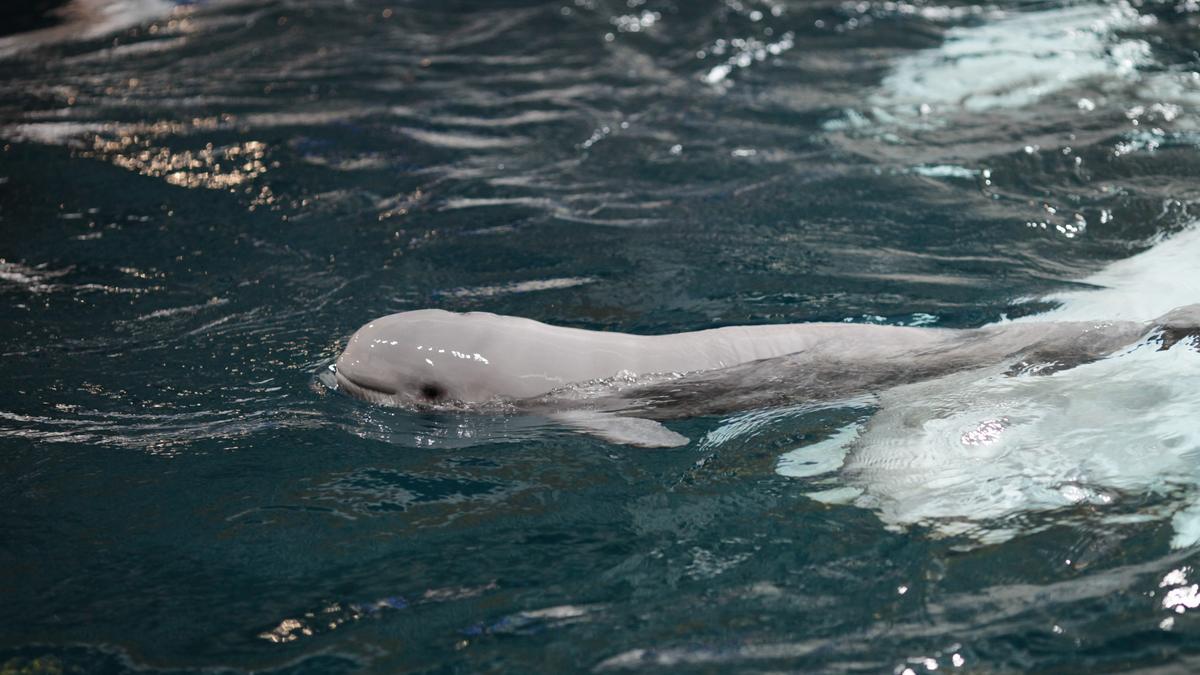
column 436, row 359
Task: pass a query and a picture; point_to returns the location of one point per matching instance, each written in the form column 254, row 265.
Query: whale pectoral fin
column 635, row 431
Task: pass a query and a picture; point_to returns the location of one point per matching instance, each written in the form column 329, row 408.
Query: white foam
column 1139, row 288
column 963, row 453
column 1016, row 60
column 976, row 453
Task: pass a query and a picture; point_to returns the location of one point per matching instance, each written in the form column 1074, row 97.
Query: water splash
column 973, row 453
column 968, row 454
column 1139, row 288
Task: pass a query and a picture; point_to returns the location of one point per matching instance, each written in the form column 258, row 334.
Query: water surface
column 199, row 201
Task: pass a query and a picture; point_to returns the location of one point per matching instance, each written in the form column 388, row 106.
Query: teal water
column 200, row 201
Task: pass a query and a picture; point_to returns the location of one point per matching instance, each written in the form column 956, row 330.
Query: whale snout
column 438, row 359
column 363, row 369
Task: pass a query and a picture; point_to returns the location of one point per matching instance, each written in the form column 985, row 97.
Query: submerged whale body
column 620, row 386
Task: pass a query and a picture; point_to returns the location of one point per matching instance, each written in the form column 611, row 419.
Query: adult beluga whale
column 620, row 386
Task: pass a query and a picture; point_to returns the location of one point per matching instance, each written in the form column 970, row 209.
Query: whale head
column 433, row 358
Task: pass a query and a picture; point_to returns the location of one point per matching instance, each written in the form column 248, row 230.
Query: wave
column 89, row 19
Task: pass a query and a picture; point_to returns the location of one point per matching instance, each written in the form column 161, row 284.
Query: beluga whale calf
column 621, row 387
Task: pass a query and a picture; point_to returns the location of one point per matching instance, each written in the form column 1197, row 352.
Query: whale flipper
column 614, row 428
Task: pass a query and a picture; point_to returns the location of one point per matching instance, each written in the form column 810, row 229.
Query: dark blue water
column 199, row 202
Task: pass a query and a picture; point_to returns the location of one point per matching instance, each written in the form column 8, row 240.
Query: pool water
column 200, row 201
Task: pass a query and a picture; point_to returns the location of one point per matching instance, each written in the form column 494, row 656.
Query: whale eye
column 432, row 391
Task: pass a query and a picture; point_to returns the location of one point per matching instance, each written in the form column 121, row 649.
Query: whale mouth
column 362, row 388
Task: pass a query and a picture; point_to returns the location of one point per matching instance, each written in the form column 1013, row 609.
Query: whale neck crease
column 724, row 347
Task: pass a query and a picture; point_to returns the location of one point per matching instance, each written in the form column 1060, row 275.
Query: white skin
column 433, row 357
